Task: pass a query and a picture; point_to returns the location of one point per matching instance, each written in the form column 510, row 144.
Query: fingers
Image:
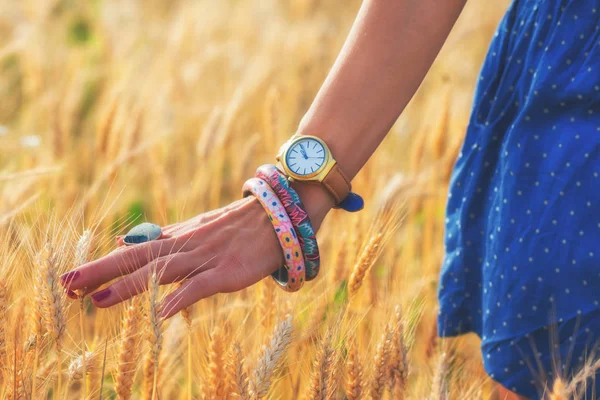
column 203, row 285
column 120, row 262
column 169, row 269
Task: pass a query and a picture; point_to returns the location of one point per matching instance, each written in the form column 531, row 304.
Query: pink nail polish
column 70, row 277
column 101, row 295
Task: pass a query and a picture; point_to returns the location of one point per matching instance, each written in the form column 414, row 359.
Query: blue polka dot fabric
column 523, row 216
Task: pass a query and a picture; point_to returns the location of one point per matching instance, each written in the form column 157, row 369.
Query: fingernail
column 71, row 294
column 101, row 295
column 70, row 277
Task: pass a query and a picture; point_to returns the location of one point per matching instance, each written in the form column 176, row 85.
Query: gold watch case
column 316, row 176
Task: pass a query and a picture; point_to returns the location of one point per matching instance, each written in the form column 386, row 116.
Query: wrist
column 316, row 200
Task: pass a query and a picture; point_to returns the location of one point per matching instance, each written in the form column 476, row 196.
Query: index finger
column 118, row 263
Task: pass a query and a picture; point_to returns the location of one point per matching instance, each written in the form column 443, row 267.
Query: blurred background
column 116, row 112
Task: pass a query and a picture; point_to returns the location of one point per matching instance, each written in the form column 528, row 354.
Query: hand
column 221, row 251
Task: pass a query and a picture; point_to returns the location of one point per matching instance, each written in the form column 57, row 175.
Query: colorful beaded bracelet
column 297, row 214
column 291, row 276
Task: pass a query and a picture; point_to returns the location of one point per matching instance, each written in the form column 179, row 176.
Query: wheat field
column 116, row 112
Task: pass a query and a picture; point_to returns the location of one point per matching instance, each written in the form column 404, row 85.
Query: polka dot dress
column 522, row 265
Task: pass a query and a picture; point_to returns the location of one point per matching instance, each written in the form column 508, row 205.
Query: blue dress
column 522, row 264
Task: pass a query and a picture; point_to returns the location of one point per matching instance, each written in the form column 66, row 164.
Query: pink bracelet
column 291, row 276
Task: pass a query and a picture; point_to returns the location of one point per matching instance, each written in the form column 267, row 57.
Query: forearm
column 388, row 52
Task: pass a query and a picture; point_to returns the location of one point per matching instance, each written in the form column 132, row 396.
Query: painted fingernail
column 101, row 295
column 70, row 277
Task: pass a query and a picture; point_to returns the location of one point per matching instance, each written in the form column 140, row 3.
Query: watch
column 308, row 159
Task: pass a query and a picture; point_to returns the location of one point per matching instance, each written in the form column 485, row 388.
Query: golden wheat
column 364, row 264
column 128, row 350
column 154, row 338
column 237, row 374
column 322, row 386
column 353, row 384
column 271, row 359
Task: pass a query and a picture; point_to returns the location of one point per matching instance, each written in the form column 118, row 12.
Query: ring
column 142, row 233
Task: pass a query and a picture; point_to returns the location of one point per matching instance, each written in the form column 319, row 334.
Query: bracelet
column 290, row 277
column 297, row 214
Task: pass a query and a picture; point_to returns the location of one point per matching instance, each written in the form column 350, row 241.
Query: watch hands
column 303, row 152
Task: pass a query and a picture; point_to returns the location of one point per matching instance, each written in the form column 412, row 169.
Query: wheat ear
column 379, row 376
column 353, row 384
column 77, row 369
column 364, row 263
column 322, row 385
column 439, row 387
column 129, row 349
column 216, row 388
column 186, row 314
column 3, row 318
column 271, row 359
column 81, row 253
column 53, row 313
column 237, row 374
column 155, row 340
column 35, row 320
column 398, row 366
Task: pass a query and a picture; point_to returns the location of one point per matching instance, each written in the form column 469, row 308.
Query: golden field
column 116, row 112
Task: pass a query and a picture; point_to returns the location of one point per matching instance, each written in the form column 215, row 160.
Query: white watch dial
column 305, row 157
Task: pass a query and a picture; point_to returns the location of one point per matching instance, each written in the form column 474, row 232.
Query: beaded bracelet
column 298, row 215
column 291, row 276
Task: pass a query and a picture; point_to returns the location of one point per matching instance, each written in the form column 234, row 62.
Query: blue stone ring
column 142, row 233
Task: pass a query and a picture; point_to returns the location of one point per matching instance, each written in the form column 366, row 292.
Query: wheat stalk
column 237, row 373
column 128, row 350
column 271, row 359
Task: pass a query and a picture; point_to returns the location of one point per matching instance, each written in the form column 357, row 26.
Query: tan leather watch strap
column 337, row 184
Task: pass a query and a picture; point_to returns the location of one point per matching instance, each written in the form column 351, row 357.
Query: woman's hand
column 221, row 251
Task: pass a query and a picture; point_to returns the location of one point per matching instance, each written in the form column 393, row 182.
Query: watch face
column 305, row 157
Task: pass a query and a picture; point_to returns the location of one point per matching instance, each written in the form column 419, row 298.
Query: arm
column 388, row 52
